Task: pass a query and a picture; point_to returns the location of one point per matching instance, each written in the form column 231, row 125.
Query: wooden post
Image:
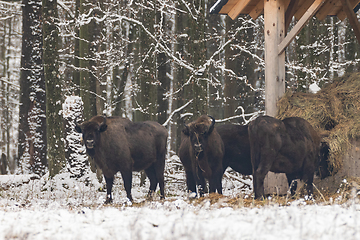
column 274, row 15
column 274, row 25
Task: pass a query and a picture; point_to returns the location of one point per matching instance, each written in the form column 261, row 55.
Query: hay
column 333, row 112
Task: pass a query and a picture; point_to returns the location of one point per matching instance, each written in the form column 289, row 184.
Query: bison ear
column 78, row 128
column 103, row 127
column 186, row 130
column 211, row 128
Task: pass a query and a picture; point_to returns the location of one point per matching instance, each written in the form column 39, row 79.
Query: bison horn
column 186, row 130
column 77, row 126
column 211, row 128
column 103, row 125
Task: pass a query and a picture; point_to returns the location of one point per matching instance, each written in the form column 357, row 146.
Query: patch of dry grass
column 334, row 112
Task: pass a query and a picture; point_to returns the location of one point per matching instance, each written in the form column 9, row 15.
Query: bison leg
column 215, row 184
column 190, row 181
column 292, row 183
column 308, row 180
column 127, row 179
column 109, row 184
column 201, row 184
column 150, row 172
column 159, row 170
column 219, row 183
column 259, row 177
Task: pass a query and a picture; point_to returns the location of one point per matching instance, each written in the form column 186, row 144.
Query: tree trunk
column 87, row 78
column 32, row 122
column 54, row 120
column 197, row 50
column 76, row 73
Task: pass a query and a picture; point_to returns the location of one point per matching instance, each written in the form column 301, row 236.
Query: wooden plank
column 299, row 25
column 348, row 9
column 342, row 15
column 303, row 8
column 237, row 8
column 228, row 6
column 257, row 10
column 325, row 9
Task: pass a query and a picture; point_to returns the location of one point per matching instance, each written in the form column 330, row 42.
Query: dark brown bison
column 118, row 144
column 237, row 147
column 237, row 151
column 290, row 146
column 201, row 152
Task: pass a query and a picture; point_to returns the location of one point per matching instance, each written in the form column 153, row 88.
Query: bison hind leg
column 127, row 179
column 292, row 183
column 151, row 174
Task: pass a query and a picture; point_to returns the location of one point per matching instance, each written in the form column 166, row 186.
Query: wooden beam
column 257, row 10
column 237, row 8
column 341, row 14
column 274, row 27
column 299, row 25
column 352, row 18
column 290, row 11
column 325, row 9
column 303, row 8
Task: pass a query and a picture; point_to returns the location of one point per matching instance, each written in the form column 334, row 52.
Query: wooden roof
column 298, row 8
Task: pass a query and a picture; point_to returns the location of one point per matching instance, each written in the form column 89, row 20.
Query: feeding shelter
column 277, row 17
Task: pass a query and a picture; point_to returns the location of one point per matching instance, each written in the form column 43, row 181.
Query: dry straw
column 334, row 112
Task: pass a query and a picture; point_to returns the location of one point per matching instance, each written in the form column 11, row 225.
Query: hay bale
column 334, row 112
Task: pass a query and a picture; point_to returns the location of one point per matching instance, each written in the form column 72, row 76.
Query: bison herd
column 289, row 146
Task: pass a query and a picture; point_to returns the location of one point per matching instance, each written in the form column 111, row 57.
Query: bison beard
column 201, row 152
column 290, row 146
column 119, row 145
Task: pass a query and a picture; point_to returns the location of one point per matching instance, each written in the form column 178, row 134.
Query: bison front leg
column 292, row 183
column 127, row 178
column 201, row 185
column 190, row 181
column 109, row 184
column 215, row 183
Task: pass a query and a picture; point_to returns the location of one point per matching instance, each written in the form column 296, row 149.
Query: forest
column 64, row 61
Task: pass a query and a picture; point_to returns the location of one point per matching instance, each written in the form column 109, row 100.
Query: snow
column 314, row 88
column 66, row 208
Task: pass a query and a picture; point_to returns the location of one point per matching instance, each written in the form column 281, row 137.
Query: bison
column 237, row 147
column 118, row 144
column 201, row 152
column 289, row 146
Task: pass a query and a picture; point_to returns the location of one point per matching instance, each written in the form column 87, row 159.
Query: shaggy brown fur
column 201, row 152
column 117, row 144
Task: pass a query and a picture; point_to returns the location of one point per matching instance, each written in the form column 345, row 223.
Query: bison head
column 91, row 131
column 199, row 131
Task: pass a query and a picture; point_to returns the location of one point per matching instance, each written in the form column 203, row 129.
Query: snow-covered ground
column 64, row 208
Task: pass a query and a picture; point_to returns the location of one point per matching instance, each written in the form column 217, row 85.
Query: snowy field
column 64, row 208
